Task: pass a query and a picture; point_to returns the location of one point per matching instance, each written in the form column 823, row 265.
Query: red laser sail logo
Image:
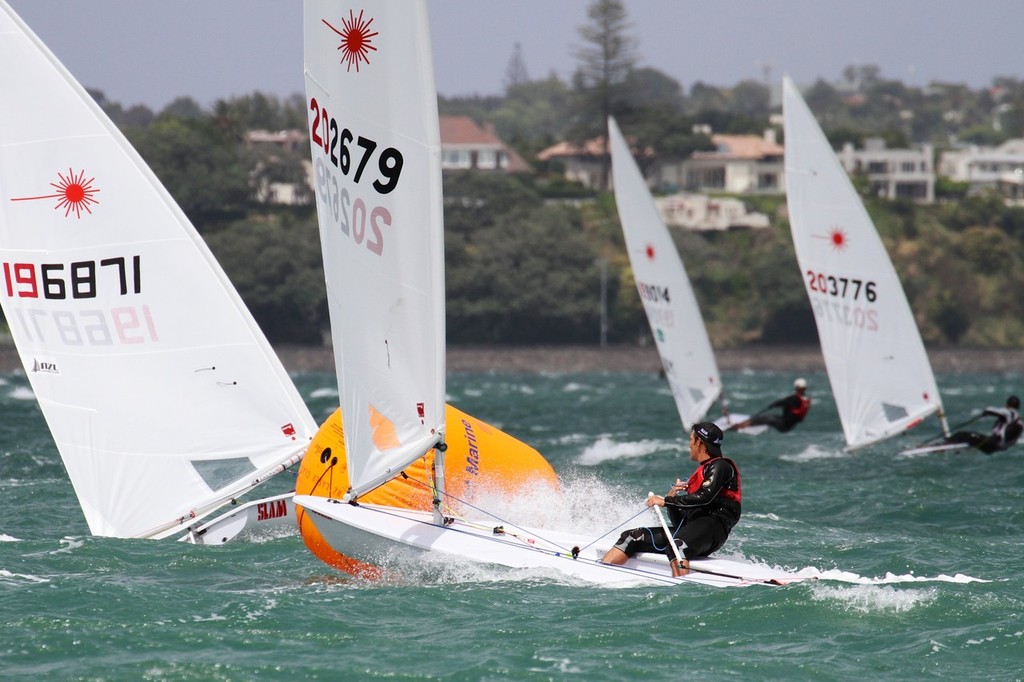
column 355, row 39
column 836, row 236
column 74, row 194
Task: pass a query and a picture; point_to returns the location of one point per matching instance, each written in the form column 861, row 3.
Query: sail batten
column 876, row 361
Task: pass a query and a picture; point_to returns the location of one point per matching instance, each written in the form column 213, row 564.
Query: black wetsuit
column 1005, row 432
column 700, row 519
column 794, row 409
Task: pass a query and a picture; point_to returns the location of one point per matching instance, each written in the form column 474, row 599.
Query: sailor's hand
column 677, row 487
column 655, row 500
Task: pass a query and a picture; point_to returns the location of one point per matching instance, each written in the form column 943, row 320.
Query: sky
column 150, row 52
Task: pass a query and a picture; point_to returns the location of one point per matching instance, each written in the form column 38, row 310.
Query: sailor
column 1006, row 430
column 794, row 408
column 701, row 510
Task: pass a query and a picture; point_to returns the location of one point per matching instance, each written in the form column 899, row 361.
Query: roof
column 463, row 131
column 741, row 147
column 592, row 147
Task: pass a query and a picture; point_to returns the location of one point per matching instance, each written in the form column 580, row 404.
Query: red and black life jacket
column 733, row 489
column 805, row 407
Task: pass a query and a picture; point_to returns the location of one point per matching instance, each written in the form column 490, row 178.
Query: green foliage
column 947, row 189
column 275, row 264
column 517, row 271
column 523, row 253
column 201, row 165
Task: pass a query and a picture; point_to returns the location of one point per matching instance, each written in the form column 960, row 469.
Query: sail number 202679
column 352, row 159
column 359, row 217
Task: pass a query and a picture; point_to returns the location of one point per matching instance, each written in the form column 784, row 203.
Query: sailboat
column 665, row 290
column 876, row 361
column 165, row 400
column 376, row 155
column 667, row 295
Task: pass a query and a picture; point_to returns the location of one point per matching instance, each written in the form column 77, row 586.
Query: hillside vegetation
column 525, row 255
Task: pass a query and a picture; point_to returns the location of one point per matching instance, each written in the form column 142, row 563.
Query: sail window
column 217, row 473
column 894, row 413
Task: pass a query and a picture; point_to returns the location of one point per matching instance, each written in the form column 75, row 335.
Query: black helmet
column 1013, row 401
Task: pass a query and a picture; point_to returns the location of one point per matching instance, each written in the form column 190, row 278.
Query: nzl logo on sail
column 44, row 366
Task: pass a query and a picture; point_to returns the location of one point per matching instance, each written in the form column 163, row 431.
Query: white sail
column 665, row 290
column 163, row 396
column 877, row 365
column 377, row 164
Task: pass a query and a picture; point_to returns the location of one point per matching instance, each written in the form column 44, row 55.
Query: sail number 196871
column 106, row 279
column 75, row 280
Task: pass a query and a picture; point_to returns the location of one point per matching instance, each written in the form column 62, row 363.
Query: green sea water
column 920, row 561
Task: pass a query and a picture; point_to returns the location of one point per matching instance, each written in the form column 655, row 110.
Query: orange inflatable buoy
column 479, row 457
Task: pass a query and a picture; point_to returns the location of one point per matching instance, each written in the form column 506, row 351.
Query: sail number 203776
column 844, row 300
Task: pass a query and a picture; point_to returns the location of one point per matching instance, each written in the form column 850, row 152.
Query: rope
column 500, row 530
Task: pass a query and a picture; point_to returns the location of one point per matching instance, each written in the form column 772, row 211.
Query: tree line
column 525, row 254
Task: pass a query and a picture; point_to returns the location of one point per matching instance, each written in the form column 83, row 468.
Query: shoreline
column 584, row 359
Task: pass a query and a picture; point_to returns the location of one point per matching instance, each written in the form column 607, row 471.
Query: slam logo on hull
column 275, row 509
column 44, row 366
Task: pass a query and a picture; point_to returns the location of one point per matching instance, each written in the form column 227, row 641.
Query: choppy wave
column 605, row 448
column 869, row 598
column 815, row 452
column 21, row 393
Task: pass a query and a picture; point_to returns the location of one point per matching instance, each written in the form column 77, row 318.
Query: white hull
column 928, row 449
column 372, row 534
column 727, row 420
column 259, row 517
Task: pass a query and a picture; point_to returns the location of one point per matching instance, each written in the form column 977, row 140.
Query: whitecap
column 814, row 452
column 22, row 393
column 870, row 598
column 69, row 545
column 607, row 449
column 325, row 392
column 7, row 576
column 8, row 538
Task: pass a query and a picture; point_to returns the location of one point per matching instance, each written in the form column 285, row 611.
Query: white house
column 466, row 146
column 892, row 173
column 740, row 164
column 984, row 167
column 701, row 212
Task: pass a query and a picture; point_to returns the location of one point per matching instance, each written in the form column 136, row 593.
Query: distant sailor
column 701, row 510
column 1005, row 432
column 794, row 408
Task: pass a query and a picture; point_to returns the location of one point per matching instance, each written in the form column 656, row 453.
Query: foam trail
column 839, row 575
